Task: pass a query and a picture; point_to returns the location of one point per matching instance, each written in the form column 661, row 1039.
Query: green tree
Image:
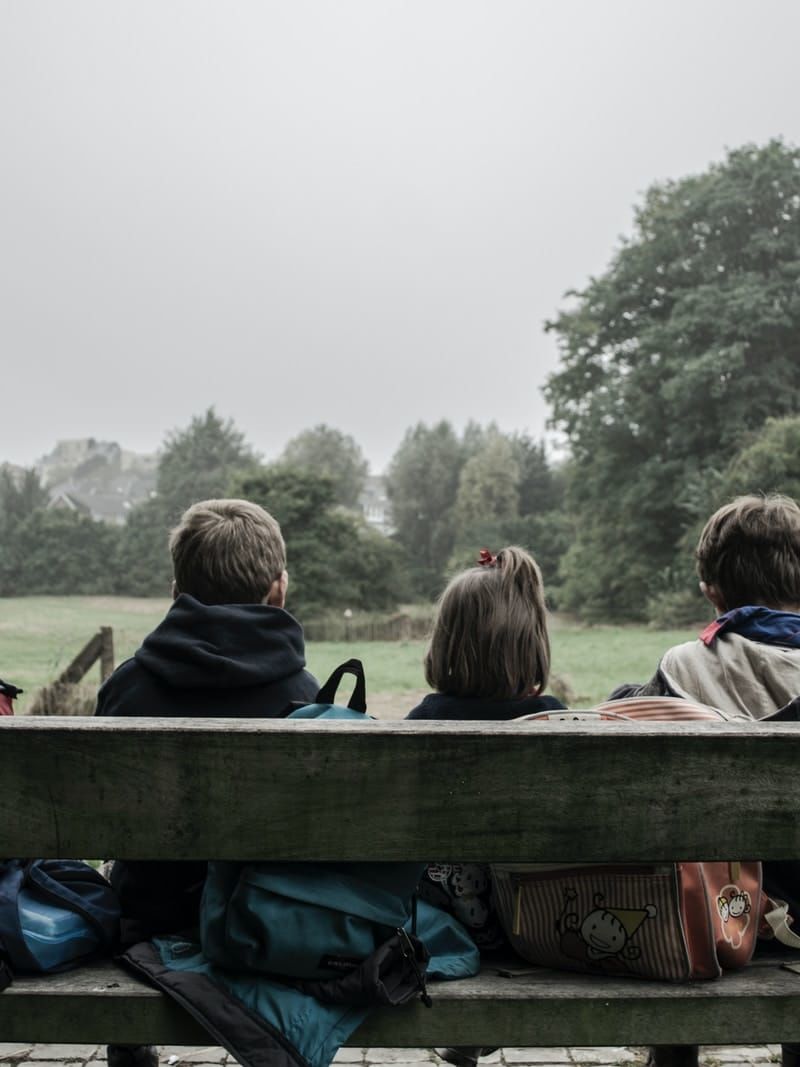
column 545, row 536
column 200, row 462
column 668, row 359
column 335, row 560
column 540, row 487
column 475, row 436
column 336, row 455
column 21, row 494
column 143, row 564
column 66, row 554
column 488, row 483
column 422, row 484
column 509, row 495
column 769, row 463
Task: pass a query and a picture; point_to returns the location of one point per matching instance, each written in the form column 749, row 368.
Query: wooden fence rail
column 58, row 698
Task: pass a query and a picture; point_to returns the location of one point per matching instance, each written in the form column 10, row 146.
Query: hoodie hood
column 223, row 646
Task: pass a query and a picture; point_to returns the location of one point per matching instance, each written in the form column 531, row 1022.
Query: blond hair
column 749, row 551
column 227, row 552
column 490, row 633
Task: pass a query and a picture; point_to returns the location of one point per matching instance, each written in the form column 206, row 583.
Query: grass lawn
column 40, row 635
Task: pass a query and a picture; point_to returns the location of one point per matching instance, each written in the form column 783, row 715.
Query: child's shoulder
column 457, row 708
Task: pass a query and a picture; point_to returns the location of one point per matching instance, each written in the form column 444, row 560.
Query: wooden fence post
column 58, row 698
column 106, row 652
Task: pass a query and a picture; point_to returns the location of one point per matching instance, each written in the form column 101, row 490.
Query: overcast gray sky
column 357, row 212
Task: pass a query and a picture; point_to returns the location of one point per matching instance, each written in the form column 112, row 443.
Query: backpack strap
column 777, row 918
column 358, row 701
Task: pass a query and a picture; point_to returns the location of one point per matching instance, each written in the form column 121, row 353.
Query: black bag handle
column 358, row 701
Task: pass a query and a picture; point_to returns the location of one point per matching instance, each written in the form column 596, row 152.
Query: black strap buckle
column 407, row 949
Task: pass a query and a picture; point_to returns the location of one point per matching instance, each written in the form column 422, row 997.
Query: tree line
column 678, row 387
column 446, row 492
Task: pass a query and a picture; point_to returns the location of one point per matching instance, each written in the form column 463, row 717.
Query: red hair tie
column 486, row 559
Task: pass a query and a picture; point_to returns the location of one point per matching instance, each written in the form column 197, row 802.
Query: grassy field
column 40, row 635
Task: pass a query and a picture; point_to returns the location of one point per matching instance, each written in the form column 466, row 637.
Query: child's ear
column 175, row 590
column 714, row 597
column 276, row 597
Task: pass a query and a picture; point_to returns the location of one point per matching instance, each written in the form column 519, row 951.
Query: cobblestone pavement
column 80, row 1055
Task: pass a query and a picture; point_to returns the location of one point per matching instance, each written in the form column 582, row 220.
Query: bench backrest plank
column 260, row 789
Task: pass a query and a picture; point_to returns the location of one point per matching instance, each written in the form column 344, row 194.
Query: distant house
column 97, row 477
column 375, row 504
column 63, row 501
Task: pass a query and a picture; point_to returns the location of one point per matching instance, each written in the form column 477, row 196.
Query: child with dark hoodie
column 226, row 648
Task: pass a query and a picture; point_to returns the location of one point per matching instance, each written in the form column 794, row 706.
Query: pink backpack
column 670, row 921
column 8, row 693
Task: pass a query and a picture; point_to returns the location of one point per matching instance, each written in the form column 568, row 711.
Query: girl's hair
column 490, row 633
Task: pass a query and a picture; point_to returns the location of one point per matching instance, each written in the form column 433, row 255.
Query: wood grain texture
column 261, row 789
column 761, row 1004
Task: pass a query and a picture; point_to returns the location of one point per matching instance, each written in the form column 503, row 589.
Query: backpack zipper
column 407, row 949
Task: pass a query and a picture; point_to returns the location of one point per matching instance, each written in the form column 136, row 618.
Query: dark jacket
column 480, row 709
column 264, row 1021
column 233, row 660
column 230, row 660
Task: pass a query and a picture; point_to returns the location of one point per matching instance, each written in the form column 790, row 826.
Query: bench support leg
column 673, row 1056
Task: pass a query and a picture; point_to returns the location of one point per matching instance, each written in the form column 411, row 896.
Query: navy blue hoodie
column 234, row 660
column 229, row 660
column 480, row 709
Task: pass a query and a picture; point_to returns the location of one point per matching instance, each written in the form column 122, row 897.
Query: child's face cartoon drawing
column 471, row 911
column 739, row 904
column 468, row 878
column 603, row 933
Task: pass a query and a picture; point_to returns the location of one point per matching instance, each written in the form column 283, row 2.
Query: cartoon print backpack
column 671, row 921
column 311, row 921
column 54, row 914
column 465, row 891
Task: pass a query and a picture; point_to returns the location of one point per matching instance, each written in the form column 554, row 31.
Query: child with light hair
column 226, row 647
column 488, row 660
column 489, row 653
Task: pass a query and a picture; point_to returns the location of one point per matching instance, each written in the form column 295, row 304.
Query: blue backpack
column 308, row 921
column 325, row 706
column 295, row 955
column 54, row 914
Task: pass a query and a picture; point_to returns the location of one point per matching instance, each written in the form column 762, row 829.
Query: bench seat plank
column 102, row 1003
column 267, row 789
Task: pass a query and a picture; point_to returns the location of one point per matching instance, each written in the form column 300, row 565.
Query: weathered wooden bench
column 259, row 789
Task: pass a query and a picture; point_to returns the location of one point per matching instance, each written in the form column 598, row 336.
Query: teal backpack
column 310, row 921
column 294, row 956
